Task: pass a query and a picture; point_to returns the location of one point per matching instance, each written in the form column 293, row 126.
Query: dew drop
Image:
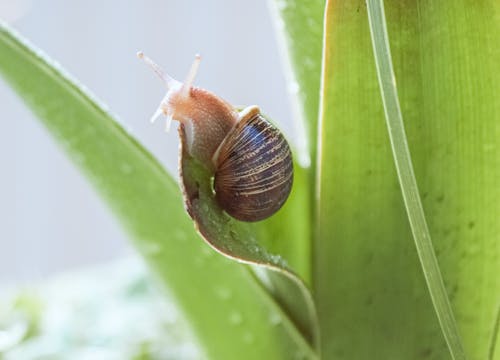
column 235, row 318
column 278, row 260
column 488, row 147
column 309, row 63
column 473, row 249
column 207, row 251
column 311, row 22
column 223, row 293
column 150, row 248
column 248, row 338
column 126, row 168
column 199, row 261
column 180, row 235
column 275, row 319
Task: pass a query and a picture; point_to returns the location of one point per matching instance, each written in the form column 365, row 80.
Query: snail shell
column 249, row 157
column 254, row 170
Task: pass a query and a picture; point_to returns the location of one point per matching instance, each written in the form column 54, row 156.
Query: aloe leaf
column 452, row 118
column 236, row 240
column 407, row 180
column 371, row 294
column 288, row 232
column 368, row 281
column 300, row 26
column 229, row 312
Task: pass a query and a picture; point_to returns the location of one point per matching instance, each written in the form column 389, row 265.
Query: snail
column 249, row 158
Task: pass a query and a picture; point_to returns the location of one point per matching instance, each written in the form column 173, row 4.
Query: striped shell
column 254, row 171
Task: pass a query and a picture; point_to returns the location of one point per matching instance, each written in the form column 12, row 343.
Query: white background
column 51, row 220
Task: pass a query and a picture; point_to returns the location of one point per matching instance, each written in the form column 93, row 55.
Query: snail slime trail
column 249, row 157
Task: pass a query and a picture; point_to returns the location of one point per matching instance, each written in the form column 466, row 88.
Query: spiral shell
column 249, row 157
column 254, row 170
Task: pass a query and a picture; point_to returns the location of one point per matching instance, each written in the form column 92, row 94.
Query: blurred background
column 51, row 220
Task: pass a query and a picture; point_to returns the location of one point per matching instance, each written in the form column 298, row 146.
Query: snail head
column 176, row 103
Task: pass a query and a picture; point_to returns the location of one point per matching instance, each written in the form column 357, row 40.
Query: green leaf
column 288, row 232
column 407, row 180
column 300, row 24
column 211, row 290
column 372, row 297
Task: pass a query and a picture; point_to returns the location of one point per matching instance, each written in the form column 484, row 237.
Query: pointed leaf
column 371, row 294
column 300, row 25
column 231, row 315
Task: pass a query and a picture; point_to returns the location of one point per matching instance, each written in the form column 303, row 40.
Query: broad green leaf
column 371, row 294
column 407, row 180
column 230, row 313
column 300, row 25
column 287, row 233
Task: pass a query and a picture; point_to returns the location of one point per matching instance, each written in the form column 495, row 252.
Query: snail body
column 249, row 158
